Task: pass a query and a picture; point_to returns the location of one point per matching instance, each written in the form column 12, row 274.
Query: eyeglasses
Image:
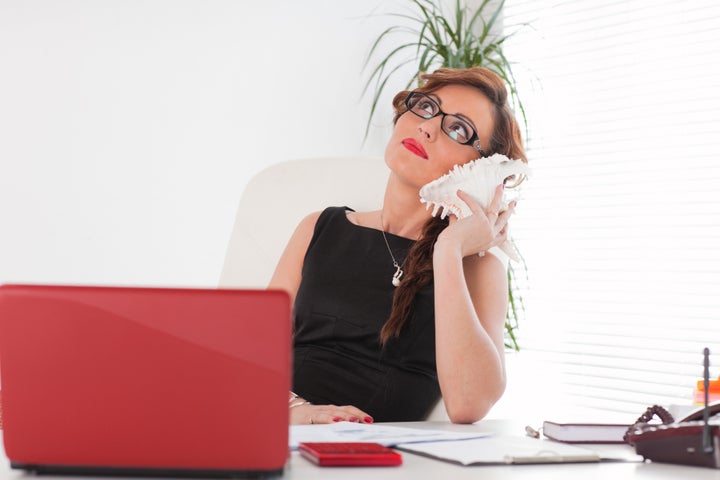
column 457, row 128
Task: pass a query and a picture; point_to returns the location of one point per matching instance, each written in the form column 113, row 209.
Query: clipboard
column 502, row 450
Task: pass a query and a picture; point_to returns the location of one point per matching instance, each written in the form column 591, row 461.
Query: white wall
column 128, row 128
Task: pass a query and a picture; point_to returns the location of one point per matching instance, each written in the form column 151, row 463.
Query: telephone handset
column 697, row 415
column 694, row 440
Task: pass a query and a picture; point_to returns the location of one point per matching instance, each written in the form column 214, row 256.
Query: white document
column 375, row 432
column 502, row 450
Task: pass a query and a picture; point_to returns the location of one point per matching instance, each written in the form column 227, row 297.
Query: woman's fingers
column 496, row 203
column 504, row 217
column 348, row 413
column 485, row 228
column 493, row 210
column 470, row 201
column 316, row 414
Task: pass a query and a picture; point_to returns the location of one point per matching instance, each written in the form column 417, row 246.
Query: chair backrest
column 277, row 198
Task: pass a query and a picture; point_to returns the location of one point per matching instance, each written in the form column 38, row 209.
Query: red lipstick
column 412, row 145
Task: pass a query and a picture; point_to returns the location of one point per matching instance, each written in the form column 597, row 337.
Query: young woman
column 394, row 308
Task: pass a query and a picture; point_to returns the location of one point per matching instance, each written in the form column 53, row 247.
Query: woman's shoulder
column 336, row 211
column 338, row 219
column 329, row 212
column 319, row 219
column 364, row 219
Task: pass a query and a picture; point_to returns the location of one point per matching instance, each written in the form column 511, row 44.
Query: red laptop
column 145, row 381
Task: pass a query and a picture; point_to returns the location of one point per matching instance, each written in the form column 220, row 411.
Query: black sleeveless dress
column 344, row 299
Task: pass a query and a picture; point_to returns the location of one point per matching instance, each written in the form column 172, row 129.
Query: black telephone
column 694, row 440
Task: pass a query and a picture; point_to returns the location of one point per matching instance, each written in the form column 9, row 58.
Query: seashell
column 477, row 178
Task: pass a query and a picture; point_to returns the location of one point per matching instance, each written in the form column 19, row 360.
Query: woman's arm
column 470, row 306
column 288, row 271
column 287, row 276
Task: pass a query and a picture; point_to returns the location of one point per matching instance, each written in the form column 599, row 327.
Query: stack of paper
column 361, row 432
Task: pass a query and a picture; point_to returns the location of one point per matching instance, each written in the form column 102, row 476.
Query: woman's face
column 419, row 151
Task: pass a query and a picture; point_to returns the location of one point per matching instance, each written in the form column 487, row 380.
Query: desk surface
column 419, row 468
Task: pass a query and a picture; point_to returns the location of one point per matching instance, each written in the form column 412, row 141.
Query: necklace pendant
column 396, row 277
column 398, row 272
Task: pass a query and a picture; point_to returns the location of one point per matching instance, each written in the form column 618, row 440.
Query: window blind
column 620, row 221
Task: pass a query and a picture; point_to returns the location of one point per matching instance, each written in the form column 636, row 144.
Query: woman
column 394, row 307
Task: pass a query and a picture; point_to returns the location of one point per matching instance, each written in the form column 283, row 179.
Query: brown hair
column 505, row 139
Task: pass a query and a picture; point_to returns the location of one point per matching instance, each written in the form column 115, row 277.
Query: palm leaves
column 516, row 306
column 434, row 40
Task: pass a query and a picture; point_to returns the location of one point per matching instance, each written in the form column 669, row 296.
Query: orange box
column 713, row 392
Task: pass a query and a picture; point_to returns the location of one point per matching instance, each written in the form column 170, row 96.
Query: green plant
column 516, row 306
column 462, row 39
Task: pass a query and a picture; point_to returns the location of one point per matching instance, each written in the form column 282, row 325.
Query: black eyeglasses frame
column 473, row 141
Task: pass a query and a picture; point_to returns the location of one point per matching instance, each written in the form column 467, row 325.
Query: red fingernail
column 337, row 419
column 353, row 419
column 368, row 419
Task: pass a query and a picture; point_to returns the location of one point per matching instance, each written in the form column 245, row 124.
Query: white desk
column 420, row 468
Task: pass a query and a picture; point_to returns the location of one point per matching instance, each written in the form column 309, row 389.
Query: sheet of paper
column 384, row 434
column 502, row 450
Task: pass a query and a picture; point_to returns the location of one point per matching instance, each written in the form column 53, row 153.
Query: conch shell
column 478, row 178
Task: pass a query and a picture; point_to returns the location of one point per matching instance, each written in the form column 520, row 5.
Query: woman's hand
column 308, row 414
column 483, row 229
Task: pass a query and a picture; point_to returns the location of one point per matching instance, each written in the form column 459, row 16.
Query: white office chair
column 277, row 198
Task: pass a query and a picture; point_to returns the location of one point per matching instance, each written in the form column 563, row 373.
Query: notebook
column 585, row 432
column 145, row 381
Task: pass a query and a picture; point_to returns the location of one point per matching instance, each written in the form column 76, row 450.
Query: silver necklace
column 398, row 271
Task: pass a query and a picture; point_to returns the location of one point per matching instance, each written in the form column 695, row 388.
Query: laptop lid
column 145, row 380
